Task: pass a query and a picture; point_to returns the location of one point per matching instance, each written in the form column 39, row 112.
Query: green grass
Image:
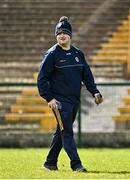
column 101, row 164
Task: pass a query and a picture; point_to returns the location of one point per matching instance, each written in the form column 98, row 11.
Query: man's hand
column 98, row 98
column 53, row 104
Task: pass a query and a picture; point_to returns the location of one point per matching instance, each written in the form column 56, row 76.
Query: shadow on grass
column 95, row 172
column 109, row 172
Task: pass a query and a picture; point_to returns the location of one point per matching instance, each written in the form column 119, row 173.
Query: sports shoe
column 50, row 167
column 80, row 169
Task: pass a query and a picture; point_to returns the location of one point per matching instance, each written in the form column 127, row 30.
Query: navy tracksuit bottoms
column 65, row 138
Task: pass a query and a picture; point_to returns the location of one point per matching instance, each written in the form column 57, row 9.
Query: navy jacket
column 61, row 74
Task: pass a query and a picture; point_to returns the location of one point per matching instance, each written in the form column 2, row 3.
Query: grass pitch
column 101, row 164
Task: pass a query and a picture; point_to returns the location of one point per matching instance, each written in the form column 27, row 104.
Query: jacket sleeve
column 88, row 78
column 44, row 76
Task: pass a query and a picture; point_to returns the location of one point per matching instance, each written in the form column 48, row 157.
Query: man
column 61, row 73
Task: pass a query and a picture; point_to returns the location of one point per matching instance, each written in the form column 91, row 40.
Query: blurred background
column 101, row 28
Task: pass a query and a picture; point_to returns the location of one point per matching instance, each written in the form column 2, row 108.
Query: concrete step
column 114, row 46
column 122, row 52
column 60, row 7
column 37, row 13
column 122, row 29
column 54, row 1
column 6, row 126
column 5, row 105
column 40, row 7
column 37, row 42
column 43, row 9
column 16, row 65
column 106, row 75
column 97, row 39
column 35, row 75
column 120, row 35
column 106, row 70
column 128, row 91
column 28, row 116
column 124, row 109
column 30, row 92
column 110, row 58
column 16, row 80
column 47, row 121
column 16, row 57
column 9, row 96
column 118, row 40
column 31, row 28
column 10, row 90
column 126, row 100
column 19, row 73
column 17, row 52
column 42, row 36
column 121, row 118
column 124, row 23
column 30, row 100
column 30, row 108
column 16, row 89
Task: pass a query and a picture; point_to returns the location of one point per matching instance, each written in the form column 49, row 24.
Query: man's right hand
column 53, row 104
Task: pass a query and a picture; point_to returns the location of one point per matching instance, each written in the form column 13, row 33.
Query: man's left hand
column 98, row 98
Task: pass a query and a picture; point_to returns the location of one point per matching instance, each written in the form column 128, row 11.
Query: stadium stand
column 116, row 49
column 27, row 31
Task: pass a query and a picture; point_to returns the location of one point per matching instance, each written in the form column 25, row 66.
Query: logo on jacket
column 76, row 59
column 68, row 54
column 62, row 60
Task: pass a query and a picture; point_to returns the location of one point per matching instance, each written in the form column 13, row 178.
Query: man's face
column 63, row 39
